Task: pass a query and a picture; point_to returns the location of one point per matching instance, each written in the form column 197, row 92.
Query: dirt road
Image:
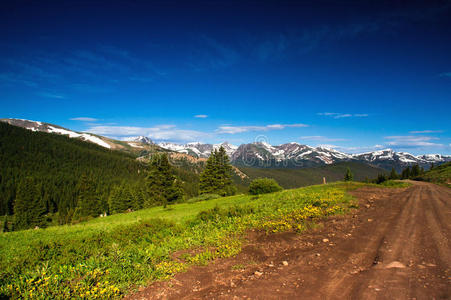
column 395, row 246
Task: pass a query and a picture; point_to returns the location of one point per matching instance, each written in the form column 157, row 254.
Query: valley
column 238, row 150
column 55, row 183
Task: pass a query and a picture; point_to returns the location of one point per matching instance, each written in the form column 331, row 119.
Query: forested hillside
column 54, row 170
column 48, row 178
column 292, row 178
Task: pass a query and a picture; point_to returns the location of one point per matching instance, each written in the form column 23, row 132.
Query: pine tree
column 29, row 210
column 88, row 200
column 216, row 177
column 115, row 201
column 381, row 178
column 415, row 172
column 137, row 197
column 393, row 174
column 208, row 180
column 5, row 224
column 161, row 181
column 406, row 173
column 348, row 176
column 224, row 174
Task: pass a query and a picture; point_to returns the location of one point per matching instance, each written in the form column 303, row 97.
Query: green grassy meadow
column 110, row 256
column 440, row 175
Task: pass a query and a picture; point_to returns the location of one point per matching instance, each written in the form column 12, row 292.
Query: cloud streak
column 51, row 95
column 201, row 116
column 84, row 119
column 241, row 129
column 320, row 138
column 425, row 131
column 410, row 141
column 159, row 132
column 341, row 115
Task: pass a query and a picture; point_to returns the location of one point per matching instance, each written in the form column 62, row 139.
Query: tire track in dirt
column 396, row 246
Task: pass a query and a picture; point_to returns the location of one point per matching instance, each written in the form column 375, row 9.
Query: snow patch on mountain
column 139, row 139
column 198, row 149
column 44, row 127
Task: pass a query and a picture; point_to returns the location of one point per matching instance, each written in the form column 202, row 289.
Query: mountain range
column 259, row 154
column 295, row 155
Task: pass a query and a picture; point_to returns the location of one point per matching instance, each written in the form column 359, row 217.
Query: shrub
column 264, row 186
column 217, row 213
column 381, row 178
column 203, row 197
column 395, row 183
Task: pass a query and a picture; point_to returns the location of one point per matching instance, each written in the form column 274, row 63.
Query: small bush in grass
column 216, row 213
column 395, row 183
column 381, row 178
column 204, row 197
column 264, row 186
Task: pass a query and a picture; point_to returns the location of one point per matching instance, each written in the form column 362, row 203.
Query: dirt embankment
column 396, row 246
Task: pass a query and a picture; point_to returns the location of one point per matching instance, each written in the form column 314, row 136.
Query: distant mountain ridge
column 198, row 149
column 259, row 154
column 50, row 128
column 293, row 155
column 139, row 139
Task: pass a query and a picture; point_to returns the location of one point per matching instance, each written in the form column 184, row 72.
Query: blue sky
column 357, row 76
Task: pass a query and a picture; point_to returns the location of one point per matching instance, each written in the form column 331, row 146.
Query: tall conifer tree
column 29, row 210
column 393, row 174
column 216, row 177
column 161, row 181
column 348, row 176
column 88, row 200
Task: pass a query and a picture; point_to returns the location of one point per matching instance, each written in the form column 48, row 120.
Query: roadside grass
column 440, row 175
column 396, row 184
column 108, row 257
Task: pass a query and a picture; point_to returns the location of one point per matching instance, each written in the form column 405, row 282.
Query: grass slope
column 106, row 257
column 292, row 178
column 440, row 174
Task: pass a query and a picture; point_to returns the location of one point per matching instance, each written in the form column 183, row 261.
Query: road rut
column 396, row 246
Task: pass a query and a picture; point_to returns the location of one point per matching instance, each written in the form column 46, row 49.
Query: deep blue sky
column 356, row 75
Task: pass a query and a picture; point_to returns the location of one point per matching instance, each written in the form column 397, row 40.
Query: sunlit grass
column 104, row 257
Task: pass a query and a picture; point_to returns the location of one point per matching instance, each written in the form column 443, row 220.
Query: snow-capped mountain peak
column 49, row 128
column 139, row 139
column 198, row 149
column 259, row 154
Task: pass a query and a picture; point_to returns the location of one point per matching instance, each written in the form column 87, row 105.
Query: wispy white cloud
column 351, row 149
column 201, row 116
column 212, row 54
column 241, row 129
column 141, row 79
column 160, row 132
column 341, row 115
column 91, row 88
column 409, row 141
column 51, row 95
column 84, row 119
column 425, row 131
column 32, row 70
column 320, row 138
column 12, row 79
column 297, row 42
column 446, row 74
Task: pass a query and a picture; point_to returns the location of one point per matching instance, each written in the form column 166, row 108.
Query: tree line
column 409, row 172
column 53, row 179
